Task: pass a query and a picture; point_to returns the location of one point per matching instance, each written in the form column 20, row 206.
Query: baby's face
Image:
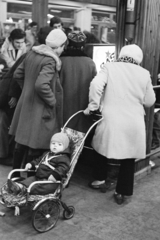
column 56, row 147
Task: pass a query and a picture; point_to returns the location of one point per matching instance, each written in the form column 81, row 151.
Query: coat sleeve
column 37, row 160
column 62, row 168
column 43, row 83
column 96, row 90
column 14, row 89
column 18, row 75
column 149, row 98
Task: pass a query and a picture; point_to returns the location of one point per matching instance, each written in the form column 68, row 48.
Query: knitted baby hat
column 61, row 138
column 132, row 51
column 56, row 38
column 76, row 39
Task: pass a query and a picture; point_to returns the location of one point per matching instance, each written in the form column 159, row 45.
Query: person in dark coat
column 9, row 95
column 76, row 74
column 38, row 114
column 52, row 166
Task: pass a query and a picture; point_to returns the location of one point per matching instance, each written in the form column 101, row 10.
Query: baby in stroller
column 52, row 166
column 58, row 165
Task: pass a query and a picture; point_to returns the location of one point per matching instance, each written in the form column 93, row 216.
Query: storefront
column 99, row 19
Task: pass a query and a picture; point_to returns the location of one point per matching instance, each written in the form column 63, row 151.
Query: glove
column 28, row 166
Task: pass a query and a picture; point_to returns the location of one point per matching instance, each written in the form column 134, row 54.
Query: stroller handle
column 75, row 114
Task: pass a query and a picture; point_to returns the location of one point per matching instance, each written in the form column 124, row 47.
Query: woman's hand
column 86, row 111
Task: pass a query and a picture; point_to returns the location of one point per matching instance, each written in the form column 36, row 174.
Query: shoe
column 96, row 184
column 110, row 184
column 152, row 164
column 13, row 187
column 119, row 198
column 100, row 185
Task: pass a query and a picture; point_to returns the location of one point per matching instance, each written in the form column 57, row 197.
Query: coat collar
column 10, row 45
column 73, row 53
column 47, row 51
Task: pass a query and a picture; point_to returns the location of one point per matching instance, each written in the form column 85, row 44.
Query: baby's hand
column 28, row 166
column 51, row 178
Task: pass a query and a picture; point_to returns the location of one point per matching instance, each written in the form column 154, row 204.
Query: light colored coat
column 9, row 54
column 39, row 111
column 121, row 90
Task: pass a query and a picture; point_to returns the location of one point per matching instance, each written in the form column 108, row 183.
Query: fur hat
column 76, row 39
column 56, row 38
column 62, row 138
column 132, row 51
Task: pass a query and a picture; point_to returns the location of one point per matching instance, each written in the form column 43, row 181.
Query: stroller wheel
column 68, row 214
column 45, row 216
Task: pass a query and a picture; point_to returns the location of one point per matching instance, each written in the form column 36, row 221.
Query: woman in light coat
column 122, row 89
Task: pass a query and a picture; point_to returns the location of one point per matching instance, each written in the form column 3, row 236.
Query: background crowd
column 48, row 75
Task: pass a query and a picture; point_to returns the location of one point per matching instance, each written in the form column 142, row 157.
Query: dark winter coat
column 8, row 87
column 61, row 163
column 38, row 114
column 76, row 73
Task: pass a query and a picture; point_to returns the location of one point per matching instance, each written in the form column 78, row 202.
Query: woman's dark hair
column 17, row 33
column 42, row 34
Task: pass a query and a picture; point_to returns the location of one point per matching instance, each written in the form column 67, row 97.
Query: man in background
column 56, row 22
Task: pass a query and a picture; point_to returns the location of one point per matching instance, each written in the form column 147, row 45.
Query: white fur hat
column 56, row 38
column 132, row 51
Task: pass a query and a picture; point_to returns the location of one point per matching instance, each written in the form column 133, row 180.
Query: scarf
column 127, row 60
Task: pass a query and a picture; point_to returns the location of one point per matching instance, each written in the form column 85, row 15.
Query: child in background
column 51, row 166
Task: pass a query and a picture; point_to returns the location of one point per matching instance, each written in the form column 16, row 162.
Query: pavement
column 97, row 216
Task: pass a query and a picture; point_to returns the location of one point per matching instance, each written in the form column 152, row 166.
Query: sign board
column 103, row 54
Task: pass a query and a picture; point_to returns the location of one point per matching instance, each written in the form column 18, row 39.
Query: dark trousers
column 125, row 181
column 40, row 188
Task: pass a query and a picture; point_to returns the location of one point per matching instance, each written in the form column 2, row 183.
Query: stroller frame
column 46, row 208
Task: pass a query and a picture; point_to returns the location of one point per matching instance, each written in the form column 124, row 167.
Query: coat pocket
column 48, row 113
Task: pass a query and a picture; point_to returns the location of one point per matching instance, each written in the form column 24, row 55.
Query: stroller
column 46, row 208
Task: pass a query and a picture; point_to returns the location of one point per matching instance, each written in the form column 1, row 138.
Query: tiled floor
column 97, row 216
